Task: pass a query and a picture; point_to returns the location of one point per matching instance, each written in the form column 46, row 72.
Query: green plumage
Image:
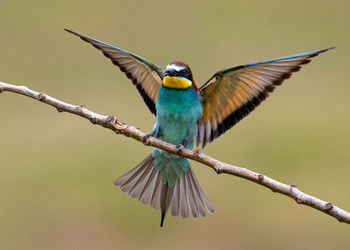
column 169, row 166
column 177, row 115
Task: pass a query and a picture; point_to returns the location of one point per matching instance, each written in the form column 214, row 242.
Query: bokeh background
column 57, row 170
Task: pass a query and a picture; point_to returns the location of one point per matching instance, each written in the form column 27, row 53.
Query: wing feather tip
column 107, row 51
column 68, row 30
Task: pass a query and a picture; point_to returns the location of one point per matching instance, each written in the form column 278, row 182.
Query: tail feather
column 132, row 176
column 190, row 197
column 146, row 193
column 136, row 182
column 201, row 198
column 144, row 182
column 140, row 184
column 166, row 196
column 204, row 198
column 175, row 208
column 155, row 201
column 134, row 187
column 201, row 210
column 183, row 198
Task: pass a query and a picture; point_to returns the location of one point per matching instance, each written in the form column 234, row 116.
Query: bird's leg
column 154, row 133
column 197, row 152
column 145, row 138
column 179, row 148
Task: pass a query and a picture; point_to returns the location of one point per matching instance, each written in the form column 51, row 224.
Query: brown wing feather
column 146, row 76
column 233, row 93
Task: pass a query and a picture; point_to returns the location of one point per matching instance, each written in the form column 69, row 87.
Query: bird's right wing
column 146, row 76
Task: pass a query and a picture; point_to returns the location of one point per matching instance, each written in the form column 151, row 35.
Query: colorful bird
column 183, row 113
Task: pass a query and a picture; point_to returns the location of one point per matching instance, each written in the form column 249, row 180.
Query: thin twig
column 119, row 127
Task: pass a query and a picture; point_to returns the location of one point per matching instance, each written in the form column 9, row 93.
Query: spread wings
column 231, row 94
column 146, row 76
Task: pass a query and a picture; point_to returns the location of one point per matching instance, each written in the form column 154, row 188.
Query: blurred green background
column 57, row 170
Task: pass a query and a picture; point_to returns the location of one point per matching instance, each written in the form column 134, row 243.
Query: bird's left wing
column 231, row 94
column 146, row 76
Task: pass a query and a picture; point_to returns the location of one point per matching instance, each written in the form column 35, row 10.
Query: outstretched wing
column 146, row 76
column 231, row 94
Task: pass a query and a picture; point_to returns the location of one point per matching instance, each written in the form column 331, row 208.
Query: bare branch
column 119, row 127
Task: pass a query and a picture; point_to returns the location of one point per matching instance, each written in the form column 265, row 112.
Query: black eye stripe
column 182, row 73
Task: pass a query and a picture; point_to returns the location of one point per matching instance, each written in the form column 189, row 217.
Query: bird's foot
column 146, row 137
column 197, row 152
column 179, row 148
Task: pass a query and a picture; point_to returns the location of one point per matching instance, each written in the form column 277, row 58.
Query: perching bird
column 183, row 113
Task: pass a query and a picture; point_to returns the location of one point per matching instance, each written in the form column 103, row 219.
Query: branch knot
column 110, row 119
column 81, row 107
column 41, row 97
column 261, row 178
column 299, row 200
column 93, row 120
column 328, row 207
column 218, row 168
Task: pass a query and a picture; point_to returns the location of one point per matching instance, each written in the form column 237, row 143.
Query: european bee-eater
column 183, row 113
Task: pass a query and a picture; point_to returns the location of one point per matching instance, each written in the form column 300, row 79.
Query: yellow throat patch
column 176, row 82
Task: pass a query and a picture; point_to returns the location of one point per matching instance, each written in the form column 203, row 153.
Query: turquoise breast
column 177, row 114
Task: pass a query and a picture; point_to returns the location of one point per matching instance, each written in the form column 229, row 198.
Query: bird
column 185, row 114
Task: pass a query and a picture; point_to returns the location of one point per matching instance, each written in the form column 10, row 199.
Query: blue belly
column 177, row 114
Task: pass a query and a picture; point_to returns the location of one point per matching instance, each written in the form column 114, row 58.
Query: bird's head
column 178, row 75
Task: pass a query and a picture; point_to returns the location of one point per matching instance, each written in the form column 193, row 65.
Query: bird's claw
column 146, row 137
column 179, row 148
column 197, row 152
